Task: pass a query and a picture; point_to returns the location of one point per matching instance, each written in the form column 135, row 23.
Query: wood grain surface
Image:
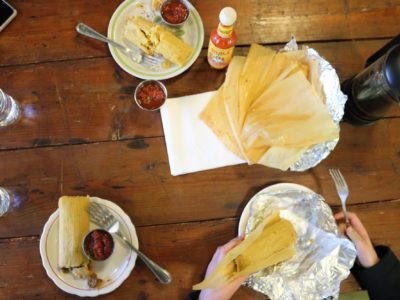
column 81, row 134
column 92, row 100
column 136, row 175
column 186, row 250
column 48, row 31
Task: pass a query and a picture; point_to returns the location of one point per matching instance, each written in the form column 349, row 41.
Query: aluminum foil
column 323, row 257
column 335, row 101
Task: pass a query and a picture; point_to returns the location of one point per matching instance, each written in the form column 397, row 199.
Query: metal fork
column 135, row 54
column 102, row 217
column 342, row 190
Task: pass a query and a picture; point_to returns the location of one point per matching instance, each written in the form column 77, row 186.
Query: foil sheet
column 323, row 257
column 335, row 101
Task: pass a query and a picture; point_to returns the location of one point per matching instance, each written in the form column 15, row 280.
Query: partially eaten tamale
column 272, row 242
column 73, row 226
column 153, row 38
column 156, row 4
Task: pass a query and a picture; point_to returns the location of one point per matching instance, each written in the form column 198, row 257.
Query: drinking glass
column 6, row 200
column 9, row 110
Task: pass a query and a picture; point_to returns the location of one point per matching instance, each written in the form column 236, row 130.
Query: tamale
column 73, row 226
column 153, row 38
column 271, row 242
column 138, row 31
column 156, row 4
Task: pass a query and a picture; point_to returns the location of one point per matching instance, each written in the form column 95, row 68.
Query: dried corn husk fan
column 271, row 108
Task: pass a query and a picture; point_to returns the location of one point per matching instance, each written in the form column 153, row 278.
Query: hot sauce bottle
column 222, row 40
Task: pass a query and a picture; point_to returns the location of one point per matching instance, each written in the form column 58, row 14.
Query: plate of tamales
column 63, row 257
column 137, row 24
column 311, row 268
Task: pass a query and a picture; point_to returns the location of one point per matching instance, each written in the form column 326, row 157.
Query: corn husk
column 274, row 109
column 270, row 243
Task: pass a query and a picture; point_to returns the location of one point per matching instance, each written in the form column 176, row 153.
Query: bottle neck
column 224, row 31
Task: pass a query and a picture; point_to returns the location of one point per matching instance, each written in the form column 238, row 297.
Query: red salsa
column 99, row 244
column 150, row 95
column 174, row 12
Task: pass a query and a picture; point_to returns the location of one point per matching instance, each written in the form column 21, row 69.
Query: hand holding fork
column 342, row 190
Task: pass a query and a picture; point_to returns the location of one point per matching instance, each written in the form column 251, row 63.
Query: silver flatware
column 135, row 54
column 156, row 58
column 342, row 190
column 102, row 217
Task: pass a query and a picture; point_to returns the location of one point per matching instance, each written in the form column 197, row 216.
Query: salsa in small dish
column 98, row 244
column 174, row 12
column 150, row 94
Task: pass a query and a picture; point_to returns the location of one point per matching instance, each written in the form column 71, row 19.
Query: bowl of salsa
column 174, row 12
column 98, row 245
column 150, row 95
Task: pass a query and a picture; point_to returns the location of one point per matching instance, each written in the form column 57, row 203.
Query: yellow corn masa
column 73, row 226
column 153, row 38
column 271, row 242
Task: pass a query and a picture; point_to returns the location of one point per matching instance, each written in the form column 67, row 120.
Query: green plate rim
column 137, row 73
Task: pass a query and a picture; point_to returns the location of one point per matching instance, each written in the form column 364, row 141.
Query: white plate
column 113, row 271
column 192, row 32
column 323, row 257
column 272, row 188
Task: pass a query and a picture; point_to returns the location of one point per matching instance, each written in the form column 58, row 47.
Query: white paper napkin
column 191, row 145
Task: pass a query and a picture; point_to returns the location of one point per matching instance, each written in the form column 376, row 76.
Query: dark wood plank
column 184, row 249
column 136, row 175
column 48, row 29
column 92, row 100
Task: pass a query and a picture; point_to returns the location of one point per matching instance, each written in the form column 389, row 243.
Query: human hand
column 226, row 292
column 357, row 233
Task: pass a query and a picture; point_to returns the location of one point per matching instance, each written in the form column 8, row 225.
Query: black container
column 376, row 89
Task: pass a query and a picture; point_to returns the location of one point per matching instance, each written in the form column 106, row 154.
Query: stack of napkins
column 191, row 145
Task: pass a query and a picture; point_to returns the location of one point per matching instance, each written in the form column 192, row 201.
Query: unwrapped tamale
column 73, row 226
column 153, row 38
column 271, row 242
column 156, row 4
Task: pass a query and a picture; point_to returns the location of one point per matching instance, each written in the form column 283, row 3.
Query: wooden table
column 81, row 134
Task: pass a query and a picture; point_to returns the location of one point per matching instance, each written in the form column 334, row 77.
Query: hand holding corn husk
column 270, row 243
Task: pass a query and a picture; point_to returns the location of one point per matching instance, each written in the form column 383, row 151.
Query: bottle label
column 224, row 31
column 219, row 58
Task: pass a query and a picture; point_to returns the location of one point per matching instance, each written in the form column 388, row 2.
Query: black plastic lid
column 381, row 52
column 392, row 70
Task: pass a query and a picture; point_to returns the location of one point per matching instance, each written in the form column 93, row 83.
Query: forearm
column 383, row 279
